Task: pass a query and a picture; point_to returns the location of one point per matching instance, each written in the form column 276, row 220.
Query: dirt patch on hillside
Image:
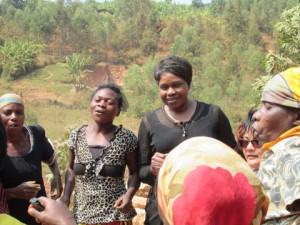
column 97, row 74
column 104, row 73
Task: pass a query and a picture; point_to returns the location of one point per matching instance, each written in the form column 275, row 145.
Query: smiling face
column 272, row 120
column 173, row 91
column 13, row 117
column 104, row 106
column 251, row 152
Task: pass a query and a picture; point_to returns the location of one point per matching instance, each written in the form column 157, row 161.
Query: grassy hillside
column 51, row 101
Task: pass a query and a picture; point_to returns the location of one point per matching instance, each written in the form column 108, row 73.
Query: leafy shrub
column 18, row 57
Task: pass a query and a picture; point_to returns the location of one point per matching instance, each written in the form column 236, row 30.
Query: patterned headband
column 10, row 98
column 284, row 89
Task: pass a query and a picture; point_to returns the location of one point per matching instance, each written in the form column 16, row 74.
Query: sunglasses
column 245, row 143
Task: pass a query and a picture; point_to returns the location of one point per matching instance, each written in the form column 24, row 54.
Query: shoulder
column 154, row 113
column 153, row 116
column 78, row 130
column 127, row 132
column 36, row 129
column 208, row 109
column 290, row 144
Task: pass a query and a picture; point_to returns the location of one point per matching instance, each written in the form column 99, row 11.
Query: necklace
column 183, row 126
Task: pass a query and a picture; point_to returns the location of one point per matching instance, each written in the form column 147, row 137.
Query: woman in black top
column 21, row 170
column 179, row 119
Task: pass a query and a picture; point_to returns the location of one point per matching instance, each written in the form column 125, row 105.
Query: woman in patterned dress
column 277, row 124
column 99, row 154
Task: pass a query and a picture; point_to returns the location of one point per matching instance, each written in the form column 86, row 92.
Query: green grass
column 50, row 98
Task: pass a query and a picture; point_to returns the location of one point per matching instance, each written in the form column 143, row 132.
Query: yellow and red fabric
column 204, row 182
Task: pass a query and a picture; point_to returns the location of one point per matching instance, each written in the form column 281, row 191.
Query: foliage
column 288, row 28
column 226, row 42
column 76, row 65
column 62, row 149
column 31, row 118
column 197, row 3
column 141, row 89
column 18, row 57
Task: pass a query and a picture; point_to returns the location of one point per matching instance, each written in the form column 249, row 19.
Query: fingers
column 124, row 207
column 35, row 213
column 32, row 184
column 156, row 162
column 118, row 203
column 27, row 190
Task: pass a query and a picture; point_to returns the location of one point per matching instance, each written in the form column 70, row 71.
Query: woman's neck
column 102, row 128
column 183, row 114
column 100, row 134
column 17, row 137
column 18, row 143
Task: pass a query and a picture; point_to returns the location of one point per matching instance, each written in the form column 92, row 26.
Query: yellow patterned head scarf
column 10, row 98
column 204, row 182
column 284, row 89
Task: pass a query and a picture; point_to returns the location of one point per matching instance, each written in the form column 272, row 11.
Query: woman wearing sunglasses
column 250, row 146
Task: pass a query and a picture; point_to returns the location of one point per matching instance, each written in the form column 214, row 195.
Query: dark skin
column 173, row 91
column 104, row 109
column 18, row 143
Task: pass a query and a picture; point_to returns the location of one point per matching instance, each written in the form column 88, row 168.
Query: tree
column 42, row 24
column 197, row 3
column 133, row 21
column 288, row 55
column 76, row 65
column 217, row 7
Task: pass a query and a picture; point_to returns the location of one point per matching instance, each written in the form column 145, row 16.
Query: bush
column 18, row 57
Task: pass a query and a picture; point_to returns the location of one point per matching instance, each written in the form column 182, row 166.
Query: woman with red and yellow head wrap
column 205, row 182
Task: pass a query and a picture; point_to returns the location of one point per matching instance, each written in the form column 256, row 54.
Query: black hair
column 122, row 101
column 175, row 65
column 248, row 121
column 3, row 142
column 245, row 125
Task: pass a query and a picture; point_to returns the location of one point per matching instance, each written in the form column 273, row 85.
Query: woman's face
column 251, row 149
column 272, row 120
column 104, row 106
column 13, row 117
column 173, row 91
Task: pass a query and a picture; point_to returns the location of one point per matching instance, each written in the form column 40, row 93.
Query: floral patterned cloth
column 279, row 173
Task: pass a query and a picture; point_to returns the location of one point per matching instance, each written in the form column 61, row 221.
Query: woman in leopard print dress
column 99, row 154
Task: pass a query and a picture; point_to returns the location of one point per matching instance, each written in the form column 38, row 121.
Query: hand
column 55, row 213
column 65, row 200
column 56, row 189
column 156, row 162
column 124, row 204
column 25, row 190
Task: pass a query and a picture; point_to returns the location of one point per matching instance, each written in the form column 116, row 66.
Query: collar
column 295, row 131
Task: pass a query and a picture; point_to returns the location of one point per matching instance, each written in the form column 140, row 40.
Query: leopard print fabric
column 95, row 195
